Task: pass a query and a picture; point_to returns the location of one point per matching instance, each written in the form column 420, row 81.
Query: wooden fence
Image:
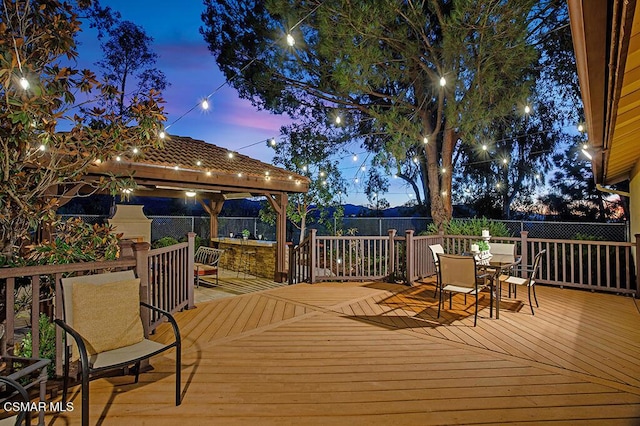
column 166, row 281
column 596, row 265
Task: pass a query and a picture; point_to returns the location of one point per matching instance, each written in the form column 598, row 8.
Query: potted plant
column 245, row 233
column 483, row 246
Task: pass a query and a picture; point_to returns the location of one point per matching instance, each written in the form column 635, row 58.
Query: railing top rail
column 583, row 242
column 173, row 247
column 24, row 271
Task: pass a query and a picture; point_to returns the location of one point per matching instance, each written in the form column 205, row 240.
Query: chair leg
column 450, row 299
column 530, row 304
column 475, row 317
column 137, row 367
column 534, row 295
column 178, row 373
column 439, row 303
column 85, row 396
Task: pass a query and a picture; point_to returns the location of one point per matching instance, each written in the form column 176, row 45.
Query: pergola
column 212, row 173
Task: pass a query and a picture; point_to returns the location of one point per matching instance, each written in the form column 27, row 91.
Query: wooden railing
column 597, row 265
column 171, row 278
column 165, row 276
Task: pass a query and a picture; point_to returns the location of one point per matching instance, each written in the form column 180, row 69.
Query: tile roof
column 186, row 152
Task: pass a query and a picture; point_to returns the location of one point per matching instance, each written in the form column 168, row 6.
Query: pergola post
column 279, row 203
column 213, row 208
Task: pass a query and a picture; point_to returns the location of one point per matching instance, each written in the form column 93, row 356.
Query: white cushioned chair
column 102, row 317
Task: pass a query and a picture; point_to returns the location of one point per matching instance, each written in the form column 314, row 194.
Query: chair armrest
column 82, row 348
column 169, row 317
column 484, row 276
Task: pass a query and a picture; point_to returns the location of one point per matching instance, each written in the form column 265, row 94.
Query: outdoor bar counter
column 264, row 264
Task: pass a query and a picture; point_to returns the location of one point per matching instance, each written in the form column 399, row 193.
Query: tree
column 39, row 85
column 411, row 80
column 129, row 61
column 574, row 192
column 305, row 152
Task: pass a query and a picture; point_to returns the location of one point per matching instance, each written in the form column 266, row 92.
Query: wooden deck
column 375, row 353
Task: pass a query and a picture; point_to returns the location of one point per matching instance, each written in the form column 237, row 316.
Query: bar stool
column 247, row 256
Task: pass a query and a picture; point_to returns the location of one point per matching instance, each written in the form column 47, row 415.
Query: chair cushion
column 107, row 316
column 203, row 269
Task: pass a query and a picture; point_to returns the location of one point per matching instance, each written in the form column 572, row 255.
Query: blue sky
column 230, row 122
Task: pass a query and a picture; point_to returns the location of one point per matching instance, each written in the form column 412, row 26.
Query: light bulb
column 504, row 161
column 24, row 83
column 425, row 140
column 190, row 194
column 208, row 173
column 355, row 157
column 290, row 40
column 527, row 109
column 230, row 155
column 205, row 104
column 118, row 158
column 443, row 81
column 580, row 128
column 162, row 135
column 198, row 163
column 135, row 150
column 484, row 147
column 42, row 147
column 272, row 142
column 338, row 120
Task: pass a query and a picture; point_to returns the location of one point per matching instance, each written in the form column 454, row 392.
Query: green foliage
column 471, row 227
column 47, row 344
column 377, row 64
column 76, row 241
column 483, row 245
column 164, row 242
column 586, row 237
column 39, row 162
column 246, row 233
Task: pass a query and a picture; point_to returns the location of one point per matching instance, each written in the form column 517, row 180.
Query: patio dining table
column 497, row 264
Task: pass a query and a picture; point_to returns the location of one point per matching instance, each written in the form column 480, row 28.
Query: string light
column 580, row 128
column 484, row 147
column 42, row 147
column 205, row 104
column 425, row 140
column 162, row 135
column 24, row 83
column 355, row 157
column 230, row 154
column 338, row 119
column 135, row 150
column 443, row 81
column 527, row 109
column 272, row 142
column 190, row 194
column 290, row 40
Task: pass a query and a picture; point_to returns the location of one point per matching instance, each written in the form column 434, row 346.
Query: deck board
column 375, row 353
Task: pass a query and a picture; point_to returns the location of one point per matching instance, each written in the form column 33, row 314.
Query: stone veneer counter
column 264, row 264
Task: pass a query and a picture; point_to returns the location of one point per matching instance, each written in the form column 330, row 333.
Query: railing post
column 312, row 255
column 191, row 238
column 391, row 252
column 409, row 250
column 141, row 252
column 634, row 256
column 524, row 250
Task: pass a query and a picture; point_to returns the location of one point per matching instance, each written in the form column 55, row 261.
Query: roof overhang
column 606, row 42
